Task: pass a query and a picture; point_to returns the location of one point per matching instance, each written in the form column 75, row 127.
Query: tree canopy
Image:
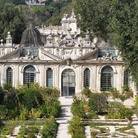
column 115, row 21
column 11, row 19
column 14, row 16
column 17, row 2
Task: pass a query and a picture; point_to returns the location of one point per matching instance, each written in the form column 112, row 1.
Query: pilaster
column 41, row 76
column 16, row 75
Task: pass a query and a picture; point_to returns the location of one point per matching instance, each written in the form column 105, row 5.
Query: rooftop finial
column 72, row 14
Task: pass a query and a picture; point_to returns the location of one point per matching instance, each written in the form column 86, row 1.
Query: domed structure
column 31, row 37
column 30, row 43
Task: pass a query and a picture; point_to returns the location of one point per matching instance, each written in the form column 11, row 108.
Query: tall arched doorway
column 68, row 82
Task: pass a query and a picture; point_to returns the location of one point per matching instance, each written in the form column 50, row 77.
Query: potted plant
column 126, row 90
column 87, row 92
column 128, row 114
column 114, row 92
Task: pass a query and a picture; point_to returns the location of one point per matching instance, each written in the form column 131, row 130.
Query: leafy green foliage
column 136, row 101
column 77, row 108
column 122, row 97
column 50, row 14
column 50, row 128
column 1, row 95
column 51, row 108
column 24, row 114
column 98, row 102
column 117, row 110
column 81, row 109
column 17, row 2
column 28, row 103
column 127, row 91
column 87, row 92
column 75, row 128
column 114, row 92
column 29, row 97
column 128, row 113
column 7, row 86
column 3, row 112
column 10, row 99
column 93, row 16
column 49, row 92
column 115, row 21
column 126, row 88
column 28, row 131
column 11, row 19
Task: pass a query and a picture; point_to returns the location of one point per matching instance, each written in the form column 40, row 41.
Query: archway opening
column 68, row 82
column 29, row 75
column 106, row 78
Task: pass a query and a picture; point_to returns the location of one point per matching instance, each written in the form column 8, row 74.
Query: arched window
column 29, row 75
column 106, row 78
column 86, row 78
column 49, row 77
column 126, row 77
column 9, row 75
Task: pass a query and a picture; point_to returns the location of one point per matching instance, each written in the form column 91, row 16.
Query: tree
column 29, row 97
column 56, row 10
column 92, row 16
column 17, row 2
column 115, row 21
column 11, row 19
column 123, row 22
column 98, row 102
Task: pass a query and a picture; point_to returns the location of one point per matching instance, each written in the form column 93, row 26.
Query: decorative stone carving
column 49, row 39
column 107, row 56
column 22, row 53
column 68, row 61
column 9, row 39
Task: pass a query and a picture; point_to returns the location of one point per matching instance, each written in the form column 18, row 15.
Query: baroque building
column 58, row 56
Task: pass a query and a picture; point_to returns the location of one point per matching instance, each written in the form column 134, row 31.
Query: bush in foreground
column 75, row 128
column 50, row 128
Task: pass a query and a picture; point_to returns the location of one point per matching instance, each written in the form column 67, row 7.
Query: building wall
column 95, row 75
column 64, row 49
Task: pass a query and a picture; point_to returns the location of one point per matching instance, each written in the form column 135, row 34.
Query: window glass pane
column 9, row 75
column 86, row 78
column 68, row 82
column 29, row 75
column 106, row 78
column 49, row 77
column 126, row 77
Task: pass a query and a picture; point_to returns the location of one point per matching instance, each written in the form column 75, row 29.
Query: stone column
column 98, row 79
column 3, row 77
column 56, row 77
column 41, row 75
column 16, row 76
column 79, row 79
column 93, row 78
column 119, row 78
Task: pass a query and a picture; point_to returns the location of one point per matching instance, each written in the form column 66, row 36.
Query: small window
column 126, row 77
column 49, row 77
column 9, row 75
column 86, row 78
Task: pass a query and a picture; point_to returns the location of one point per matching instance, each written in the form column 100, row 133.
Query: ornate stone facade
column 63, row 59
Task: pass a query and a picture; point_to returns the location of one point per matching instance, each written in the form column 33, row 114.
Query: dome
column 31, row 37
